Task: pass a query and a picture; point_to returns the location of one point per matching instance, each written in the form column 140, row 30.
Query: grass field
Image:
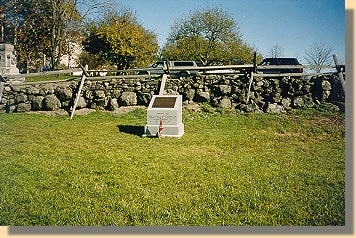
column 49, row 78
column 228, row 169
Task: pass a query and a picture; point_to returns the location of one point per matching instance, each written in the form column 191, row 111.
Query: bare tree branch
column 318, row 54
column 276, row 51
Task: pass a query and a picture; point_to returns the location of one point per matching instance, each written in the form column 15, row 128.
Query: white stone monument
column 8, row 67
column 8, row 63
column 164, row 117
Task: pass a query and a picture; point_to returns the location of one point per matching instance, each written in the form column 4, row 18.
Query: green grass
column 49, row 78
column 227, row 170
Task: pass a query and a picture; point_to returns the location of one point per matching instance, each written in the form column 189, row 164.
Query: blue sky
column 294, row 25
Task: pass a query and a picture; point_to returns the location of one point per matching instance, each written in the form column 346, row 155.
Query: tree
column 119, row 39
column 318, row 54
column 209, row 36
column 24, row 29
column 276, row 51
column 64, row 25
column 41, row 28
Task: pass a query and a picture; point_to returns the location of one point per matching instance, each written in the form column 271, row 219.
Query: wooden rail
column 203, row 70
column 55, row 72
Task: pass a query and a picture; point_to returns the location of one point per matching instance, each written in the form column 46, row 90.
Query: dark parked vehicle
column 279, row 62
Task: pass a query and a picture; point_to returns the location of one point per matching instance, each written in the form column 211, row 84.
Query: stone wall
column 226, row 91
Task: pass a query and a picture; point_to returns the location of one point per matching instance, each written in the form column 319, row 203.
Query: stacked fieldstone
column 271, row 95
column 37, row 97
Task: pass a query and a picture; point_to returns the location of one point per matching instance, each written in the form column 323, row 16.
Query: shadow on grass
column 134, row 130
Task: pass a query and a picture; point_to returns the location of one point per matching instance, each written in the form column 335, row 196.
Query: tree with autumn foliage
column 210, row 37
column 43, row 28
column 24, row 27
column 119, row 39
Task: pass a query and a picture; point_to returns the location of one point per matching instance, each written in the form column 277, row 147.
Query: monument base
column 168, row 131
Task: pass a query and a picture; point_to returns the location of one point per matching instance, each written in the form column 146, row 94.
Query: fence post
column 167, row 65
column 164, row 78
column 163, row 83
column 254, row 62
column 85, row 73
column 341, row 76
column 2, row 86
column 251, row 76
column 249, row 87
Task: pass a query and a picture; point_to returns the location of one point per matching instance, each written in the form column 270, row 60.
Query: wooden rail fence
column 253, row 70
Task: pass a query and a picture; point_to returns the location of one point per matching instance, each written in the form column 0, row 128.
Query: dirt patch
column 83, row 111
column 86, row 111
column 60, row 112
column 123, row 110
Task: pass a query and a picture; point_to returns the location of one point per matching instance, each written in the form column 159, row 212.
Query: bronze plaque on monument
column 164, row 102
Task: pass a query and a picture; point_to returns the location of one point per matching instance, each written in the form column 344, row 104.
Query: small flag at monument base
column 160, row 129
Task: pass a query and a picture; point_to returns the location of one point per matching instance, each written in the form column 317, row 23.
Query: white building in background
column 71, row 60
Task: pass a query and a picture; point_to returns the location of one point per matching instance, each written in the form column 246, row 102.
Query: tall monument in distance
column 7, row 58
